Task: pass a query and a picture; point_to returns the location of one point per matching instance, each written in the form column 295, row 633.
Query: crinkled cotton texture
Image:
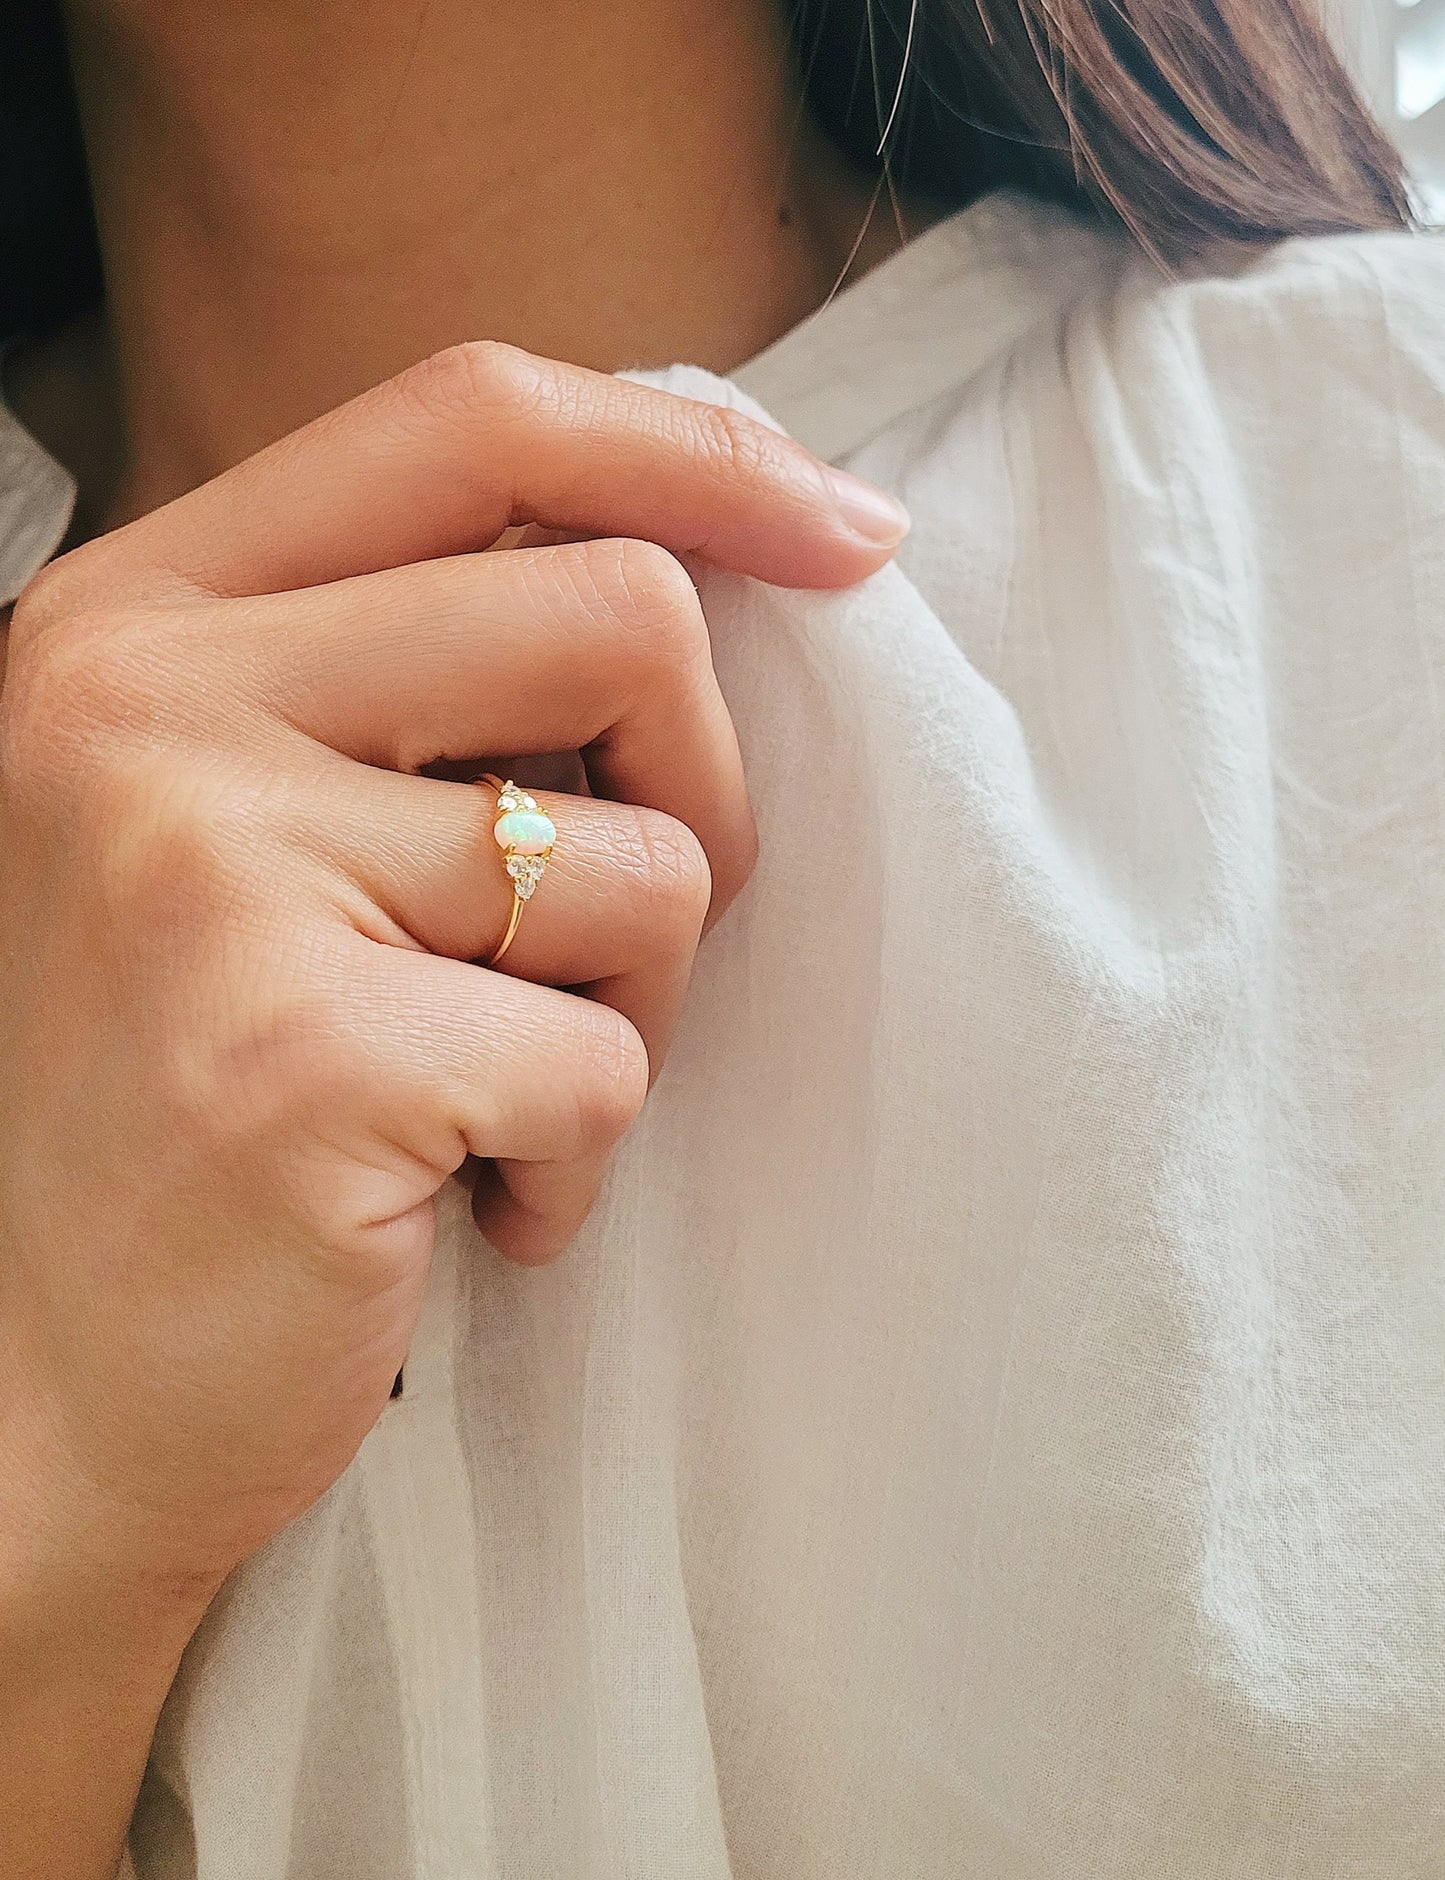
column 994, row 1428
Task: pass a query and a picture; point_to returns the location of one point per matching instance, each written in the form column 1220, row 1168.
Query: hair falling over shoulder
column 1189, row 122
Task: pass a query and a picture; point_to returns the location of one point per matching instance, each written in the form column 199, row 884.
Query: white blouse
column 994, row 1428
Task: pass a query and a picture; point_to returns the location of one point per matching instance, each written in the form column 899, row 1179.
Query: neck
column 296, row 201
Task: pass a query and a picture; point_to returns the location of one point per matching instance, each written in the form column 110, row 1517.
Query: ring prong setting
column 525, row 834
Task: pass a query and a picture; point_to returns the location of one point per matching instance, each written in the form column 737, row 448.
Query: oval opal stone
column 527, row 831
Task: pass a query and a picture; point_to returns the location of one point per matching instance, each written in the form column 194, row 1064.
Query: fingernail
column 868, row 512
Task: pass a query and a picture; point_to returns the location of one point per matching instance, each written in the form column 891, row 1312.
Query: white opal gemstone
column 527, row 831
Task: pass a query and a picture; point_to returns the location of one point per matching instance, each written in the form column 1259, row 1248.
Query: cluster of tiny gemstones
column 526, row 871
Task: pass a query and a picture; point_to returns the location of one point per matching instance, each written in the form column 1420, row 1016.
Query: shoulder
column 1343, row 286
column 1293, row 398
column 1270, row 430
column 1329, row 331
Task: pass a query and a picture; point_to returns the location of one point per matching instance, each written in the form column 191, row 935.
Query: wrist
column 90, row 1641
column 83, row 1581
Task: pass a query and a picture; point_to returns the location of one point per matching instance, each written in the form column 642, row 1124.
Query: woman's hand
column 242, row 1044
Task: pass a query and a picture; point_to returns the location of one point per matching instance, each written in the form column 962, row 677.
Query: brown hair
column 1188, row 121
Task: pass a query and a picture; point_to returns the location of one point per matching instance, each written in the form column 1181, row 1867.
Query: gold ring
column 525, row 835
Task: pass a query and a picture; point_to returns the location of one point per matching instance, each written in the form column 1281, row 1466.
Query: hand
column 242, row 1043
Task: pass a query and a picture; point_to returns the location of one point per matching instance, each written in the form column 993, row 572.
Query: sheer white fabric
column 995, row 1426
column 36, row 498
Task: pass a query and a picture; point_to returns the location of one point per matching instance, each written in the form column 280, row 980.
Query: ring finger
column 618, row 910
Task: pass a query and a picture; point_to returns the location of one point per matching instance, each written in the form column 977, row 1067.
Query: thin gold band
column 519, row 898
column 512, row 925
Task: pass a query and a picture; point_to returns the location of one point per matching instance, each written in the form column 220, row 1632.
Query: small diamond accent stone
column 526, row 871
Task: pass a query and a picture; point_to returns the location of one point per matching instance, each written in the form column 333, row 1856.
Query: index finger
column 447, row 456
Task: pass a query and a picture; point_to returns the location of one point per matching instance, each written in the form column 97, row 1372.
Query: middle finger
column 595, row 646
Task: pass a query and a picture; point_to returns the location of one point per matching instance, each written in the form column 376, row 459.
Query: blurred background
column 1398, row 48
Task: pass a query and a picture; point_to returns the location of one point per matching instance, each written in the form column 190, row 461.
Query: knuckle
column 734, row 446
column 612, row 1077
column 71, row 681
column 478, row 377
column 653, row 580
column 170, row 845
column 251, row 1072
column 103, row 574
column 306, row 1047
column 45, row 600
column 650, row 590
column 675, row 876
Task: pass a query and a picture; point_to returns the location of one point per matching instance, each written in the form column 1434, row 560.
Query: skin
column 244, row 1040
column 299, row 201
